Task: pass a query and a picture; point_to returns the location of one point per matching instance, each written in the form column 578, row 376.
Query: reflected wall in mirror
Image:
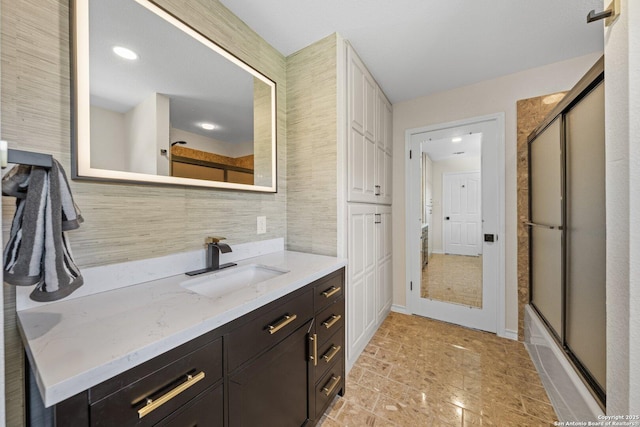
column 158, row 102
column 452, row 220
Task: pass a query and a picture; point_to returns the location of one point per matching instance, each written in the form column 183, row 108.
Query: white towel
column 38, row 252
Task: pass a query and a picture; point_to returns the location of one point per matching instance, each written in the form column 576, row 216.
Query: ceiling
column 469, row 145
column 417, row 47
column 170, row 63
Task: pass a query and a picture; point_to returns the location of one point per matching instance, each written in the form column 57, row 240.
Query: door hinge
column 410, row 286
column 410, row 154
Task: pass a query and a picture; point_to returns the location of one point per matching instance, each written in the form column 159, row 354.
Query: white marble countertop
column 76, row 344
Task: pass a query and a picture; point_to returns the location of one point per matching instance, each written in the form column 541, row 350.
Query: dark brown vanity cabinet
column 280, row 365
column 327, row 343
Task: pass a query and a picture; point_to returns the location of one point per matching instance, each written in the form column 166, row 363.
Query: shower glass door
column 545, row 187
column 567, row 222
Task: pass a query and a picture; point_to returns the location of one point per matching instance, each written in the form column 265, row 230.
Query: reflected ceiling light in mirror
column 208, row 126
column 125, row 53
column 456, row 139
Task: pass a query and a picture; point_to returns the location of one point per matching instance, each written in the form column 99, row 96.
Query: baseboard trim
column 509, row 334
column 399, row 309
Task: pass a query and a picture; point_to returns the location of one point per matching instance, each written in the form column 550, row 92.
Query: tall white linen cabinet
column 339, row 157
column 368, row 169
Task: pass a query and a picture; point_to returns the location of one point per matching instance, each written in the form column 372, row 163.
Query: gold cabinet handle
column 333, row 382
column 332, row 321
column 331, row 353
column 314, row 351
column 152, row 405
column 272, row 329
column 331, row 291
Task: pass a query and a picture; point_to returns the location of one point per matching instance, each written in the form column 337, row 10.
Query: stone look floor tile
column 419, row 372
column 453, row 278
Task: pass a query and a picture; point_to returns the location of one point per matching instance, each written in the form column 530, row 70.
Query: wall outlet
column 262, row 224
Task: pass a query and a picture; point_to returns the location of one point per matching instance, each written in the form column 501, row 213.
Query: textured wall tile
column 122, row 222
column 312, row 148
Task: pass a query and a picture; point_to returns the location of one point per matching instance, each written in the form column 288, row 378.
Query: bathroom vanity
column 268, row 354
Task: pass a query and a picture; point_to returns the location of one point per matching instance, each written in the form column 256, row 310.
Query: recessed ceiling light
column 125, row 53
column 208, row 126
column 456, row 139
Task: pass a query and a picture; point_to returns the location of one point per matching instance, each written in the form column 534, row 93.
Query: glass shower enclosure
column 567, row 240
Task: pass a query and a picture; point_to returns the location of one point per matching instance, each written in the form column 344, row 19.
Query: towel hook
column 610, row 14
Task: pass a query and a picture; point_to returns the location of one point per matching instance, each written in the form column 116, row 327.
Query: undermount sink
column 228, row 281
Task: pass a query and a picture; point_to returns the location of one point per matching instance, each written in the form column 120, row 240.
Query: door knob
column 446, row 218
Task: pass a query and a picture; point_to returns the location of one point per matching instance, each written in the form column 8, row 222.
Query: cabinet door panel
column 362, row 277
column 356, row 95
column 369, row 108
column 362, row 156
column 272, row 390
column 205, row 411
column 380, row 174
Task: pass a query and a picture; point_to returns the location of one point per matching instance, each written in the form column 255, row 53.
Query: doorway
column 455, row 221
column 462, row 208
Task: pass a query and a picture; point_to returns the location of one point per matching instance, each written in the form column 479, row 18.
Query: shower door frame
column 592, row 79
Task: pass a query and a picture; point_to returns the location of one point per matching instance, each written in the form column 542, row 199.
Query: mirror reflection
column 167, row 105
column 452, row 220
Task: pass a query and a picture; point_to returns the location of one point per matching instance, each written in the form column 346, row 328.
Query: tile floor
column 421, row 372
column 453, row 278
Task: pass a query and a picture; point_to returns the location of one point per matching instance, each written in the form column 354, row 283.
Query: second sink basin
column 233, row 279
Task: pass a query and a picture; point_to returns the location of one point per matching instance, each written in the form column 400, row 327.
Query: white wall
column 622, row 121
column 464, row 164
column 108, row 139
column 162, row 133
column 142, row 124
column 488, row 97
column 199, row 142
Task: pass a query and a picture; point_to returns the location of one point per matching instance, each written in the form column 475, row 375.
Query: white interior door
column 462, row 207
column 489, row 316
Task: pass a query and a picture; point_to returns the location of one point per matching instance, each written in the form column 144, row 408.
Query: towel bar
column 9, row 155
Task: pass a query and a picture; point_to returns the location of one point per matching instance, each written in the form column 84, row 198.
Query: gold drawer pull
column 331, row 291
column 331, row 353
column 152, row 405
column 334, row 319
column 281, row 324
column 333, row 382
column 314, row 351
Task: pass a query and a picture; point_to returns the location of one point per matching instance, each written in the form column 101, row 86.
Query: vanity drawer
column 169, row 388
column 330, row 320
column 267, row 329
column 329, row 353
column 205, row 410
column 328, row 387
column 328, row 289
